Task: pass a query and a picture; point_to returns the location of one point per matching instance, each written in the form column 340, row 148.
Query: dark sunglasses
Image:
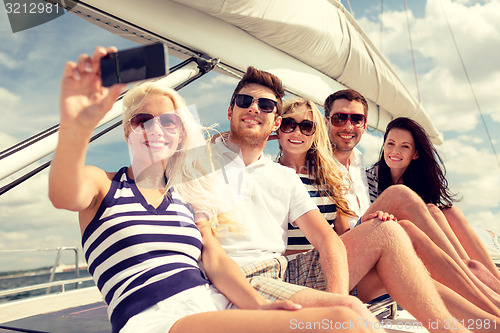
column 170, row 122
column 265, row 104
column 339, row 119
column 306, row 127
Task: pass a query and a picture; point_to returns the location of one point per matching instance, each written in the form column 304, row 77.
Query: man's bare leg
column 318, row 298
column 386, row 247
column 332, row 319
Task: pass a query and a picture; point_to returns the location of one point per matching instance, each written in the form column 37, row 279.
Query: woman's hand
column 382, row 216
column 83, row 100
column 281, row 305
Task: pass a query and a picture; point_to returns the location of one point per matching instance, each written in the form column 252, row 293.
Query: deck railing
column 51, row 283
column 47, row 285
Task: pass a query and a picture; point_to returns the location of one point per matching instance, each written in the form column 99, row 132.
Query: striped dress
column 296, row 239
column 139, row 255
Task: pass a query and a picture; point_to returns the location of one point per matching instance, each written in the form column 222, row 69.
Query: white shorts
column 163, row 315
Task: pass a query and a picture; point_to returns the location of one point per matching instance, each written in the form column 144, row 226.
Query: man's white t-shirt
column 263, row 198
column 358, row 196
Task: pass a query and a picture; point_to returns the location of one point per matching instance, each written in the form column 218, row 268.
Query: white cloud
column 29, row 221
column 8, row 62
column 6, row 141
column 472, row 169
column 218, row 80
column 486, row 220
column 370, row 144
column 13, row 236
column 474, row 174
column 444, row 88
column 464, row 159
column 9, row 101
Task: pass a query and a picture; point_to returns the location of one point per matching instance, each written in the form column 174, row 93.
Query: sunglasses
column 306, row 127
column 265, row 104
column 170, row 122
column 339, row 119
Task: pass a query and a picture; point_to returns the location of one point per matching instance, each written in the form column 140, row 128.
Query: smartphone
column 140, row 63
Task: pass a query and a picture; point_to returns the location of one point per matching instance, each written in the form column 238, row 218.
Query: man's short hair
column 265, row 79
column 348, row 94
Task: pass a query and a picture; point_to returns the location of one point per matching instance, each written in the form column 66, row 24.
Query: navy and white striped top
column 139, row 255
column 296, row 239
column 372, row 177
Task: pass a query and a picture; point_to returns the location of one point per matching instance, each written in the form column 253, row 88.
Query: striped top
column 296, row 239
column 372, row 176
column 139, row 255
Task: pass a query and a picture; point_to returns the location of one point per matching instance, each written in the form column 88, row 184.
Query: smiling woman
column 134, row 220
column 304, row 146
column 153, row 130
column 146, row 228
column 399, row 151
column 408, row 157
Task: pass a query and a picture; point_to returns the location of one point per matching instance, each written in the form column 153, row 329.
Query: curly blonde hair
column 320, row 164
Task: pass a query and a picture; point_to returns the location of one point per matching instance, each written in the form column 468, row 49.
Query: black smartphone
column 139, row 63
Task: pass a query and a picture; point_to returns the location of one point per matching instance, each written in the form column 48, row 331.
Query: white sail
column 307, row 44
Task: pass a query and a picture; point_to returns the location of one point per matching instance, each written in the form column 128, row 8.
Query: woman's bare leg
column 332, row 319
column 483, row 274
column 473, row 318
column 469, row 239
column 405, row 204
column 443, row 269
column 442, row 222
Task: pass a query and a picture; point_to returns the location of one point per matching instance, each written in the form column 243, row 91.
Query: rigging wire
column 412, row 52
column 380, row 49
column 381, row 23
column 350, row 8
column 470, row 84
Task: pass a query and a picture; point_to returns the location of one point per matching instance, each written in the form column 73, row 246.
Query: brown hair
column 265, row 79
column 426, row 174
column 350, row 95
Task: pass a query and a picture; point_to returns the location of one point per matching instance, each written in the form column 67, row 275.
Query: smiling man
column 263, row 197
column 346, row 112
column 250, row 130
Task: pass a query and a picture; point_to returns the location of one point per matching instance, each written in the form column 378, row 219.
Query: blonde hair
column 320, row 164
column 190, row 169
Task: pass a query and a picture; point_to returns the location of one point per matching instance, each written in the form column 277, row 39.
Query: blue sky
column 31, row 63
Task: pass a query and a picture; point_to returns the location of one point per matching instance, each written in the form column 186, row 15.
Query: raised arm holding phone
column 143, row 238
